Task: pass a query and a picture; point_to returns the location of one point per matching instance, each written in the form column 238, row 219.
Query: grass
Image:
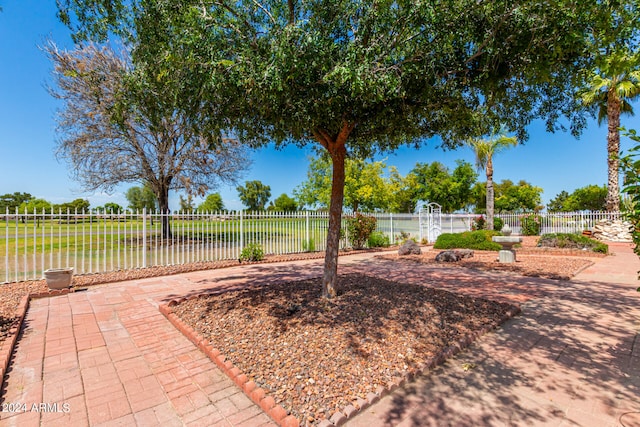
column 28, row 248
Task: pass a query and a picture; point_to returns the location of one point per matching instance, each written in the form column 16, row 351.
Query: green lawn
column 28, row 248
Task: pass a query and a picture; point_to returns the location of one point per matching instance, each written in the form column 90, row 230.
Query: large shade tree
column 119, row 123
column 356, row 77
column 612, row 85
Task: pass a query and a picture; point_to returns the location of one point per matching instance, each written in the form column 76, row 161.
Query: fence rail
column 101, row 242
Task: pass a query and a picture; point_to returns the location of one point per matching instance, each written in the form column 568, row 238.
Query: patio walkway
column 106, row 356
column 572, row 358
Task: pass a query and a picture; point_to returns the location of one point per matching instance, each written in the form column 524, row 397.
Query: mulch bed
column 316, row 356
column 548, row 264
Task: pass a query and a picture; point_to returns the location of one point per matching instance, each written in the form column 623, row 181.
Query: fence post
column 241, row 232
column 306, row 231
column 391, row 227
column 144, row 237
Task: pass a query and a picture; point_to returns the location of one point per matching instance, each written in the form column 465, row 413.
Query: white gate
column 430, row 216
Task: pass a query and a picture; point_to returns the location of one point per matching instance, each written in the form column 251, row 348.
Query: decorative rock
column 613, row 230
column 447, row 256
column 464, row 253
column 409, row 248
column 454, row 256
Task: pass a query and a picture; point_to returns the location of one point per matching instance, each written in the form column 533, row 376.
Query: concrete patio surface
column 107, row 357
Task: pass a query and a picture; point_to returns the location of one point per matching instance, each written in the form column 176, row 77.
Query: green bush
column 497, row 223
column 359, row 228
column 378, row 239
column 252, row 252
column 309, row 246
column 479, row 240
column 572, row 241
column 530, row 224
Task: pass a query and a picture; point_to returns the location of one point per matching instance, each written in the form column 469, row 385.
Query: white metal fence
column 97, row 242
column 550, row 222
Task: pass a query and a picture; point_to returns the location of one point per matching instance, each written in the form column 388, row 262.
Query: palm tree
column 611, row 88
column 485, row 150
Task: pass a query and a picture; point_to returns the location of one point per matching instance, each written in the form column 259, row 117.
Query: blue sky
column 554, row 162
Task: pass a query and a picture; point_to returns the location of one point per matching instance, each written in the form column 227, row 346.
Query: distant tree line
column 372, row 187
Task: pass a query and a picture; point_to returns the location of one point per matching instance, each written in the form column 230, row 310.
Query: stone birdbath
column 507, row 254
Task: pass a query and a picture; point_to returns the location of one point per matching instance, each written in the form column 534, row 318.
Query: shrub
column 252, row 252
column 572, row 241
column 403, row 237
column 309, row 246
column 478, row 240
column 359, row 228
column 530, row 224
column 378, row 239
column 479, row 223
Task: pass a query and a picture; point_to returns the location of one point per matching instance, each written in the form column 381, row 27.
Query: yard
column 374, row 333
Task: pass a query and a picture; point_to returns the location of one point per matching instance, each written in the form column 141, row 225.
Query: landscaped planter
column 58, row 278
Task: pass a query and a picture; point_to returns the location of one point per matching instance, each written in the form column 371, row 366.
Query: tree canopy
column 120, row 122
column 254, row 195
column 77, row 205
column 11, row 201
column 359, row 77
column 140, row 198
column 283, row 203
column 213, row 203
column 366, row 189
column 588, row 198
column 509, row 197
column 451, row 190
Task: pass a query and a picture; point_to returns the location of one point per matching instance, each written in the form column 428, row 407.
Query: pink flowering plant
column 478, row 223
column 530, row 224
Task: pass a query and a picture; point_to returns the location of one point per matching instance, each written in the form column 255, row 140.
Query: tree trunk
column 163, row 205
column 335, row 219
column 336, row 146
column 613, row 151
column 490, row 195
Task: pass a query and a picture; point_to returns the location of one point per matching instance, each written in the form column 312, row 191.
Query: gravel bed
column 316, row 356
column 556, row 267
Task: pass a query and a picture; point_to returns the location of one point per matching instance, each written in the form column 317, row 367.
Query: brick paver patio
column 106, row 356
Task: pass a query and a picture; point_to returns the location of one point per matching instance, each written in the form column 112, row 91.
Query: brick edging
column 7, row 346
column 268, row 404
